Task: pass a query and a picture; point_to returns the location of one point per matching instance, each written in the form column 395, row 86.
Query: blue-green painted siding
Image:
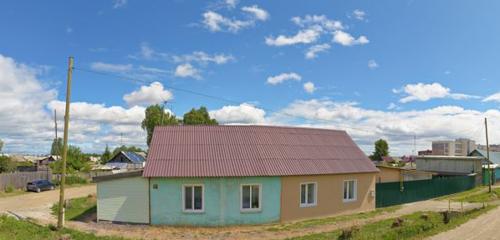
column 222, row 201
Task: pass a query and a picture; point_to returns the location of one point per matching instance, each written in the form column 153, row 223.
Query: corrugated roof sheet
column 134, row 157
column 223, row 151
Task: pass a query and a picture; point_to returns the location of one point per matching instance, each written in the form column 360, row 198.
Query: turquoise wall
column 222, row 201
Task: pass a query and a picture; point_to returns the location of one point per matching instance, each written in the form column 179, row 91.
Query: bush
column 9, row 189
column 72, row 179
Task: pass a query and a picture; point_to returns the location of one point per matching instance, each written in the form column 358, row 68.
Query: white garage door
column 123, row 200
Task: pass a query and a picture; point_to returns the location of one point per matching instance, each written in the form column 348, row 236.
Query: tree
column 76, row 161
column 1, row 145
column 156, row 116
column 381, row 150
column 57, row 146
column 126, row 149
column 106, row 155
column 6, row 164
column 198, row 117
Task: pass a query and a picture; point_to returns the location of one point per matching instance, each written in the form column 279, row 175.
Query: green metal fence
column 394, row 193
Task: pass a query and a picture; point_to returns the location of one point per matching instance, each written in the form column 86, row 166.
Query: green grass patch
column 331, row 220
column 476, row 195
column 13, row 229
column 78, row 208
column 418, row 225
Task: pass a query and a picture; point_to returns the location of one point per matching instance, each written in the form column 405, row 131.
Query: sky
column 406, row 71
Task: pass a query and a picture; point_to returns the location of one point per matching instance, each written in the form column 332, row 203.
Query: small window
column 155, row 186
column 308, row 194
column 193, row 198
column 350, row 190
column 250, row 197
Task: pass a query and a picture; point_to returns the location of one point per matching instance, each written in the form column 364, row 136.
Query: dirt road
column 37, row 205
column 483, row 227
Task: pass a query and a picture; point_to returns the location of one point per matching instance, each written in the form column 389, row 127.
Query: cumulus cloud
column 259, row 13
column 243, row 114
column 309, row 87
column 492, row 98
column 274, row 80
column 187, row 70
column 313, row 51
column 372, row 64
column 346, row 39
column 231, row 3
column 303, row 36
column 316, row 21
column 424, row 92
column 216, row 22
column 148, row 95
column 109, row 67
column 359, row 14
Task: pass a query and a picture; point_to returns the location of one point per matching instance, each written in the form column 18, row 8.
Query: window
column 350, row 190
column 250, row 197
column 193, row 198
column 308, row 194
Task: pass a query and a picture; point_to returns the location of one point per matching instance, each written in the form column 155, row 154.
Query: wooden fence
column 20, row 179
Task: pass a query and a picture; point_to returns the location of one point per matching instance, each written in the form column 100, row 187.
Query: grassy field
column 331, row 220
column 413, row 226
column 476, row 195
column 78, row 208
column 13, row 229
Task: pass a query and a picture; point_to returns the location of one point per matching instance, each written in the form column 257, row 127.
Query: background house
column 396, row 174
column 223, row 175
column 494, row 163
column 127, row 161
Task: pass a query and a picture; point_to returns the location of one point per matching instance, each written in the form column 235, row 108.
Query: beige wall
column 388, row 175
column 329, row 195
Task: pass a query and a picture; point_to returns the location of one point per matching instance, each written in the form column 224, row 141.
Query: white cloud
column 259, row 13
column 119, row 3
column 109, row 67
column 359, row 14
column 313, row 51
column 366, row 125
column 315, row 21
column 309, row 87
column 187, row 70
column 345, row 39
column 231, row 3
column 203, row 58
column 492, row 98
column 215, row 22
column 303, row 36
column 243, row 114
column 372, row 64
column 424, row 92
column 392, row 106
column 148, row 95
column 274, row 80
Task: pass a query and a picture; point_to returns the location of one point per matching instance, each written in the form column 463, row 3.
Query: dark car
column 40, row 185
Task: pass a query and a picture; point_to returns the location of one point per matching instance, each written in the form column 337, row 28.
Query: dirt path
column 251, row 232
column 37, row 205
column 483, row 227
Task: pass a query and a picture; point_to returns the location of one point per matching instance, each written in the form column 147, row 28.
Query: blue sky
column 379, row 70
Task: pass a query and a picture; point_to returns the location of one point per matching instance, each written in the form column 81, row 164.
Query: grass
column 78, row 208
column 15, row 192
column 331, row 220
column 476, row 195
column 414, row 226
column 13, row 229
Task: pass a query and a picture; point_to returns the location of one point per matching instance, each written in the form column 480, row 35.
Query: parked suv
column 40, row 185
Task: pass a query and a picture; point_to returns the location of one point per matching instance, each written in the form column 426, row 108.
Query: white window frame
column 355, row 195
column 260, row 197
column 315, row 194
column 192, row 198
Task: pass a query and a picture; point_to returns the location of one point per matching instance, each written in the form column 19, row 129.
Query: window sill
column 193, row 211
column 308, row 205
column 251, row 210
column 349, row 200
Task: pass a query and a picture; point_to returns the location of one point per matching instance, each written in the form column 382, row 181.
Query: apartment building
column 458, row 147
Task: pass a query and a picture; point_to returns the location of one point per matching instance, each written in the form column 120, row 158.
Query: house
column 126, row 161
column 494, row 162
column 44, row 163
column 396, row 174
column 227, row 175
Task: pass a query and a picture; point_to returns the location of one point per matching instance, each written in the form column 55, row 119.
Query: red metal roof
column 223, row 151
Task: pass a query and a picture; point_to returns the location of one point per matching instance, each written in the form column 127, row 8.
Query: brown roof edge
column 136, row 173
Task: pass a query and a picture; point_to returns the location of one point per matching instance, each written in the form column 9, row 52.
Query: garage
column 123, row 197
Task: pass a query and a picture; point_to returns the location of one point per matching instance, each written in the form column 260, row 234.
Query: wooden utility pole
column 62, row 205
column 488, row 154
